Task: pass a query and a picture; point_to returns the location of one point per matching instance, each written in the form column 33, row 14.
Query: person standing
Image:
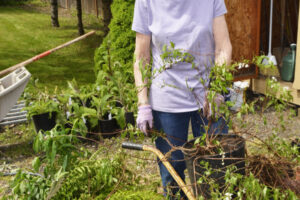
column 177, row 95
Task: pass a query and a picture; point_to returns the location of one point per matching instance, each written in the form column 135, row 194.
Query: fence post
column 96, row 7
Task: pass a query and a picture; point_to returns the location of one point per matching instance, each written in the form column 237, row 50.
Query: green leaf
column 65, row 163
column 37, row 144
column 36, row 163
column 53, row 152
column 164, row 49
column 172, row 45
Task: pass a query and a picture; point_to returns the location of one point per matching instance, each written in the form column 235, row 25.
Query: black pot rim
column 45, row 113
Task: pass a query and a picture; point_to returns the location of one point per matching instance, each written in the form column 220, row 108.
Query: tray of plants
column 11, row 88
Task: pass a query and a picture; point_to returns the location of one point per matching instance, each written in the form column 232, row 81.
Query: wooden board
column 243, row 19
column 296, row 84
column 259, row 86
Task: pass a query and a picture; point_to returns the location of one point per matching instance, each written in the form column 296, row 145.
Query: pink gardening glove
column 144, row 118
column 207, row 108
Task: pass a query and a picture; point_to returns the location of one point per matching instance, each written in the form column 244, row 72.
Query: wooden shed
column 248, row 22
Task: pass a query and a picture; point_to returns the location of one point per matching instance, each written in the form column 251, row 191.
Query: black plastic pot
column 44, row 121
column 234, row 154
column 108, row 128
column 105, row 129
column 129, row 117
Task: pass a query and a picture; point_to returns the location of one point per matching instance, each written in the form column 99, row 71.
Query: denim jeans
column 175, row 126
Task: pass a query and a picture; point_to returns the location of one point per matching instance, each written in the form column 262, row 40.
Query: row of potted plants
column 99, row 109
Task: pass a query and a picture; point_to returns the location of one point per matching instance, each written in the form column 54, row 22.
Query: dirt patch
column 255, row 125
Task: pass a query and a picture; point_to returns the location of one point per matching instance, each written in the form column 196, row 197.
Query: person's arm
column 142, row 54
column 223, row 49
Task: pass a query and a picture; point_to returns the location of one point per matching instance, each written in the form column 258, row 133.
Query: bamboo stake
column 46, row 53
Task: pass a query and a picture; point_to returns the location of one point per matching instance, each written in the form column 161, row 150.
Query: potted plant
column 214, row 154
column 126, row 95
column 81, row 95
column 107, row 124
column 214, row 150
column 80, row 119
column 79, row 109
column 42, row 107
column 223, row 151
column 43, row 114
column 103, row 121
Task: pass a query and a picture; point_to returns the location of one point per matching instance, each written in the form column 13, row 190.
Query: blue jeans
column 175, row 126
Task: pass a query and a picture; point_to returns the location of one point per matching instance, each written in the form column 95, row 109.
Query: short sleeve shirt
column 189, row 25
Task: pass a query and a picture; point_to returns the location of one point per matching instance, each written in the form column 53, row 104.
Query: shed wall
column 243, row 19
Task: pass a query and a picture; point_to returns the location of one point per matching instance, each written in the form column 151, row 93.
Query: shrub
column 118, row 45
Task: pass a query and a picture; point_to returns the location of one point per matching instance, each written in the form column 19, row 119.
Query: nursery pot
column 44, row 121
column 233, row 147
column 129, row 117
column 108, row 128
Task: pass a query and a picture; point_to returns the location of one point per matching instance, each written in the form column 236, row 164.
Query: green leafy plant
column 41, row 107
column 40, row 101
column 238, row 186
column 27, row 186
column 78, row 117
column 94, row 179
column 59, row 148
column 61, row 156
column 80, row 95
column 124, row 92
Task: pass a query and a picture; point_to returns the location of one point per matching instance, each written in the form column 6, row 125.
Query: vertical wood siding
column 243, row 21
column 88, row 6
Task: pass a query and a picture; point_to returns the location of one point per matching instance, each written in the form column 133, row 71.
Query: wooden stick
column 46, row 53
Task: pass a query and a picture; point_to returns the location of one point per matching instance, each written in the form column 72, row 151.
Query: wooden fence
column 88, row 6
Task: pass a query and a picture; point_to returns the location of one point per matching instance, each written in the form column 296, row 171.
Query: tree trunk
column 106, row 13
column 54, row 13
column 79, row 17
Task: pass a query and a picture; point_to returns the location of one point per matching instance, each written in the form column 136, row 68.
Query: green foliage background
column 120, row 40
column 12, row 2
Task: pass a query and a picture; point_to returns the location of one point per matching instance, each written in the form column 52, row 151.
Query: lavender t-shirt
column 189, row 25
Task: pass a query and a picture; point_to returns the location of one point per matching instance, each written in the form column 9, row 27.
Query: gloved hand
column 144, row 118
column 207, row 108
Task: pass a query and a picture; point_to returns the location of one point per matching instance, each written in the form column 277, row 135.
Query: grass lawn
column 27, row 31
